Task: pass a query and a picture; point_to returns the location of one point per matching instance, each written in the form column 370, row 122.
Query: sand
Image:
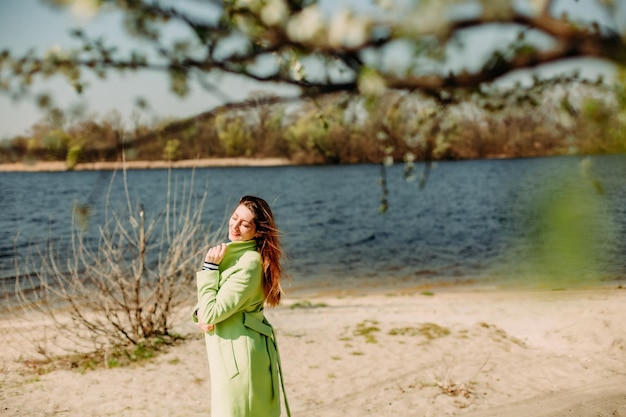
column 55, row 166
column 458, row 352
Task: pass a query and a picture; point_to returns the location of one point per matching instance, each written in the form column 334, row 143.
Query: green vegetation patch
column 115, row 357
column 500, row 335
column 367, row 328
column 307, row 304
column 428, row 330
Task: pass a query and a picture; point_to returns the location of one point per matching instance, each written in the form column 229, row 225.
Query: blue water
column 482, row 220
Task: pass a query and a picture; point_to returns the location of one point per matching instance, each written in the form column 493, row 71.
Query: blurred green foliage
column 569, row 229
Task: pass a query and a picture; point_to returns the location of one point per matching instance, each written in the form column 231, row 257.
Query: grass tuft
column 428, row 330
column 367, row 328
column 114, row 357
column 307, row 304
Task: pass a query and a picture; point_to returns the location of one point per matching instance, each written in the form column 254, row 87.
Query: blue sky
column 26, row 24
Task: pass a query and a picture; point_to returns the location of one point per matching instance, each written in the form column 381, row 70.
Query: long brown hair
column 268, row 245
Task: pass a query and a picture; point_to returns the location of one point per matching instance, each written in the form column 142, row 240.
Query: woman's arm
column 217, row 303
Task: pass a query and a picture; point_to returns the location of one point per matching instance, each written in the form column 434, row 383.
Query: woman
column 237, row 279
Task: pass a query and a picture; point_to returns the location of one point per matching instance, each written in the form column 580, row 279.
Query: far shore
column 57, row 166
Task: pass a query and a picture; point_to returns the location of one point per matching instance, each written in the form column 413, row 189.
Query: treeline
column 552, row 119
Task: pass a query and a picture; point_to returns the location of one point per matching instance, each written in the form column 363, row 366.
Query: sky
column 26, row 24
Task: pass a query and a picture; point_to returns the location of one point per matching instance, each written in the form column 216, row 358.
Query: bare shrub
column 124, row 288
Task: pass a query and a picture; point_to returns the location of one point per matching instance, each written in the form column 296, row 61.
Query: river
column 482, row 221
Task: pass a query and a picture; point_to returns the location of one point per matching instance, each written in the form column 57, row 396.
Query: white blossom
column 346, row 30
column 274, row 12
column 297, row 71
column 304, row 26
column 371, row 83
column 538, row 5
column 84, row 9
column 56, row 52
column 426, row 20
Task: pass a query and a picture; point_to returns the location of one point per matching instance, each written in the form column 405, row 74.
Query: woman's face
column 241, row 225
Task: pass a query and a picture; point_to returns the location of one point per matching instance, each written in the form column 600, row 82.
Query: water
column 481, row 221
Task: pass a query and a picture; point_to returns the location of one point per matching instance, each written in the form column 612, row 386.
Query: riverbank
column 448, row 352
column 56, row 166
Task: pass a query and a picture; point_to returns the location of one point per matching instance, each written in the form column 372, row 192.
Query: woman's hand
column 206, row 327
column 216, row 254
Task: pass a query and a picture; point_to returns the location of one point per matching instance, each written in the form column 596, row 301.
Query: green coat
column 241, row 349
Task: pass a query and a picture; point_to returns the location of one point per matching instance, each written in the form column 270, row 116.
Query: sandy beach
column 55, row 166
column 451, row 352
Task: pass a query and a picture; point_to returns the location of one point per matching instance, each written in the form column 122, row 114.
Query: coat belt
column 265, row 328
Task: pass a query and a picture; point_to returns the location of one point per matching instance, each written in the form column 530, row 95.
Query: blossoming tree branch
column 323, row 50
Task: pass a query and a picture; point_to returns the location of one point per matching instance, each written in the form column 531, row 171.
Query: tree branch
column 570, row 40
